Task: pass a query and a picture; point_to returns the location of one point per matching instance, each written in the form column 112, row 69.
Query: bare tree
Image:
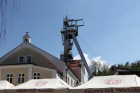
column 95, row 67
column 3, row 5
column 3, row 17
column 99, row 69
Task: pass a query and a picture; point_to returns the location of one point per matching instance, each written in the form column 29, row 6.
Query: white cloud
column 96, row 59
column 86, row 57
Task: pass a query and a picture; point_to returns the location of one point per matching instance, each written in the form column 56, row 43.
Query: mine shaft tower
column 69, row 33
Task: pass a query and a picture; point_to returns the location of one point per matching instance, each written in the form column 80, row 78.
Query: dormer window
column 25, row 59
column 21, row 59
column 29, row 59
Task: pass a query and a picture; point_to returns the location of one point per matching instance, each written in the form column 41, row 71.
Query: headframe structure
column 69, row 33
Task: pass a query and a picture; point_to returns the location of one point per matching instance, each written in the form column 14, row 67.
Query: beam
column 81, row 54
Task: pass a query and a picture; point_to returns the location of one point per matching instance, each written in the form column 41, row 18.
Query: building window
column 25, row 59
column 9, row 77
column 71, row 82
column 20, row 78
column 68, row 80
column 21, row 59
column 74, row 84
column 29, row 59
column 36, row 75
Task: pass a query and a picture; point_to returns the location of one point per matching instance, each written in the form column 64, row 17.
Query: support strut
column 81, row 54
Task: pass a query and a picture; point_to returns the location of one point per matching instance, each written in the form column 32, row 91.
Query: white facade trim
column 57, row 76
column 15, row 66
column 25, row 66
column 30, row 73
column 54, row 74
column 43, row 68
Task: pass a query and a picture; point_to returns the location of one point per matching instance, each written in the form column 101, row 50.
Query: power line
column 90, row 49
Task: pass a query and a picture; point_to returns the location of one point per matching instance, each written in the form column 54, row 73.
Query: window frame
column 19, row 59
column 74, row 84
column 27, row 58
column 20, row 77
column 68, row 80
column 71, row 82
column 36, row 77
column 10, row 78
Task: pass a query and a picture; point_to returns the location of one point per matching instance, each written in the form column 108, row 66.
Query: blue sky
column 111, row 27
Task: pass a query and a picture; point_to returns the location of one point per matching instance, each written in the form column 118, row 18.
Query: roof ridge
column 10, row 51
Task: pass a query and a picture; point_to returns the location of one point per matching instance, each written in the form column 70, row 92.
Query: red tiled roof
column 75, row 67
column 75, row 63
